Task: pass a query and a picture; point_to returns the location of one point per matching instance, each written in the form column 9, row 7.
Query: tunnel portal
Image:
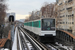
column 11, row 18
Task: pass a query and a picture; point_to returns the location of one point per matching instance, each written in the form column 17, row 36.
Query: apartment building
column 66, row 14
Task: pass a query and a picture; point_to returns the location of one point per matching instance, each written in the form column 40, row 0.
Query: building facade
column 65, row 14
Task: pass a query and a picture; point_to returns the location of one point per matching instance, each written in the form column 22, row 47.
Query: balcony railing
column 69, row 1
column 70, row 8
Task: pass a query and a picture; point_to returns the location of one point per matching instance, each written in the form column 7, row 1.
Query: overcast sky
column 23, row 7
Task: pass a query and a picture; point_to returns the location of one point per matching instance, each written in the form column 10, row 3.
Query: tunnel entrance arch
column 11, row 18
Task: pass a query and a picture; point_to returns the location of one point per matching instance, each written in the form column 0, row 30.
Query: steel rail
column 36, row 43
column 20, row 45
column 24, row 39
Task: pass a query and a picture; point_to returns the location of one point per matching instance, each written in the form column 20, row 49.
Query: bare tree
column 45, row 4
column 26, row 19
column 3, row 9
column 48, row 10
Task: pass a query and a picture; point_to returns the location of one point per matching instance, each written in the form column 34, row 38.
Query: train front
column 48, row 30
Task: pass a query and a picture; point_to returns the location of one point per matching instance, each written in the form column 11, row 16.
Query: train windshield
column 48, row 24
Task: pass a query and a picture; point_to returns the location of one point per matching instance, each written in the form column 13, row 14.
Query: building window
column 72, row 22
column 66, row 22
column 63, row 9
column 66, row 15
column 65, row 1
column 63, row 15
column 60, row 22
column 60, row 4
column 72, row 14
column 63, row 22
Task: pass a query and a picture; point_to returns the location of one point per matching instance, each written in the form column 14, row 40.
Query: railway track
column 35, row 45
column 54, row 47
column 26, row 45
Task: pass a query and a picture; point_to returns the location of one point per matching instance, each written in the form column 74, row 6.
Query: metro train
column 43, row 30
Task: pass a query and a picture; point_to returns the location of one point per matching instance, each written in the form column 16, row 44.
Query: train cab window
column 48, row 24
